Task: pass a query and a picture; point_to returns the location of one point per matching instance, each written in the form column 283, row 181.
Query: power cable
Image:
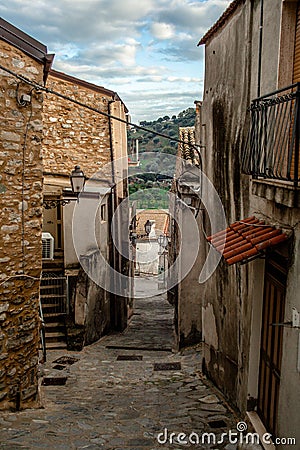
column 96, row 110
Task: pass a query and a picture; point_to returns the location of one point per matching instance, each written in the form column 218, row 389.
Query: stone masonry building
column 21, row 195
column 75, row 135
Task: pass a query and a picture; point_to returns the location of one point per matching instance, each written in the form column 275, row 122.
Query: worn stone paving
column 112, row 403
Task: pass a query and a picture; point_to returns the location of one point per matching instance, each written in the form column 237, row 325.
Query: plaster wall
column 226, row 96
column 86, row 234
column 231, row 82
column 189, row 298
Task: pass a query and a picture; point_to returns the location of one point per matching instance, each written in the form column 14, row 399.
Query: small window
column 103, row 213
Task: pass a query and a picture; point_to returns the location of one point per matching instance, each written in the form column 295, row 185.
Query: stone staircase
column 53, row 295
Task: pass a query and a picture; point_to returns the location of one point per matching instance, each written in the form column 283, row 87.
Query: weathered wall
column 226, row 97
column 189, row 300
column 20, row 230
column 92, row 309
column 232, row 307
column 78, row 136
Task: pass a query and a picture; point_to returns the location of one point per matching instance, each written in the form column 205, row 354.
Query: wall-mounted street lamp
column 77, row 179
column 162, row 241
column 148, row 227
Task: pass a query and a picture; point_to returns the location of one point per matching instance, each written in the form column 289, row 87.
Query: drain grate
column 129, row 358
column 66, row 360
column 54, row 381
column 167, row 366
column 59, row 367
column 217, row 424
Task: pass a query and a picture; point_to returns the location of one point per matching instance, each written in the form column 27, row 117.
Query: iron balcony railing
column 272, row 149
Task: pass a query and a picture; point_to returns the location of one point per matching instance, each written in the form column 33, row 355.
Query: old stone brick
column 32, row 69
column 4, row 260
column 11, row 146
column 2, row 395
column 23, row 206
column 10, row 136
column 14, row 343
column 12, row 372
column 16, row 62
column 33, row 224
column 29, row 393
column 9, row 228
column 4, row 307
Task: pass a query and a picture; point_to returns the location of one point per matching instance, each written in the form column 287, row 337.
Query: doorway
column 276, row 269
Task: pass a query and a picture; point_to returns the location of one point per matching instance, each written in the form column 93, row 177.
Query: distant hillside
column 169, row 126
column 147, row 185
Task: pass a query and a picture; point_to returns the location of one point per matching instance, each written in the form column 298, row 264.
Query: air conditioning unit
column 48, row 246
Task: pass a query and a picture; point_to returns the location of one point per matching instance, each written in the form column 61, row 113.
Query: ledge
column 281, row 192
column 260, row 429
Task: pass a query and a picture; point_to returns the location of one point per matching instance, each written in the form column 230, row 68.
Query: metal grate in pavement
column 167, row 366
column 66, row 360
column 217, row 424
column 59, row 367
column 129, row 358
column 54, row 381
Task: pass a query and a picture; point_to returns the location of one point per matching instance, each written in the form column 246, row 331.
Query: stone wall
column 75, row 135
column 20, row 229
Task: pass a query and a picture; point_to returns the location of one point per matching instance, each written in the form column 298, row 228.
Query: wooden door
column 271, row 340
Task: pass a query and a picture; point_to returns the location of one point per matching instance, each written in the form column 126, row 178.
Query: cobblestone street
column 121, row 392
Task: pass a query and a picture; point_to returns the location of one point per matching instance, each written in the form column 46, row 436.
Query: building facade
column 249, row 129
column 77, row 134
column 21, row 197
column 55, row 267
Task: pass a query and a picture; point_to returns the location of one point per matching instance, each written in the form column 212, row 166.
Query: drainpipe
column 261, row 24
column 111, row 142
column 113, row 256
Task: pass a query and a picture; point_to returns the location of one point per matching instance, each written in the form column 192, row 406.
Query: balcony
column 272, row 150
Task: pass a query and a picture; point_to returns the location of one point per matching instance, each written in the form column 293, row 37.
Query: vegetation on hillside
column 150, row 182
column 149, row 142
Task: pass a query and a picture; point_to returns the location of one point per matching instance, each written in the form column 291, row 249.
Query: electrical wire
column 39, row 87
column 91, row 108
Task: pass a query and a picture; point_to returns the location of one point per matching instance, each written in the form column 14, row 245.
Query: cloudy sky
column 145, row 50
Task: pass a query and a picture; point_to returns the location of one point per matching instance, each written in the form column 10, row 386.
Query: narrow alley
column 125, row 391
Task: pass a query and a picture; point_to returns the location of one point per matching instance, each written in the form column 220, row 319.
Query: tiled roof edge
column 220, row 22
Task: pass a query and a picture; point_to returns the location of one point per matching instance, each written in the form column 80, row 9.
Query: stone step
column 44, row 287
column 55, row 336
column 52, row 317
column 52, row 296
column 55, row 324
column 55, row 345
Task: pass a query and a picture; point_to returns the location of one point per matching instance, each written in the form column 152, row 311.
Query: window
column 103, row 213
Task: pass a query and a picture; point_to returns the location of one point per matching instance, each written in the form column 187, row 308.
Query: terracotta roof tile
column 245, row 239
column 160, row 217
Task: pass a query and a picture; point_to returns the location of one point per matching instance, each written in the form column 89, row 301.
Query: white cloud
column 162, row 30
column 127, row 46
